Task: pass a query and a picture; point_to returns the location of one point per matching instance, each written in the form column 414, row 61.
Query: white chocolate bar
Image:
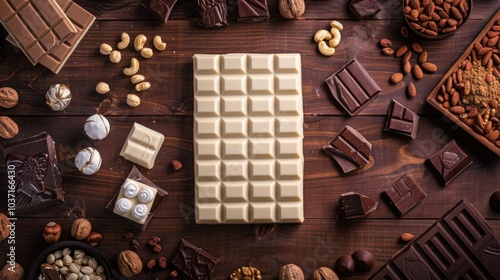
column 142, row 145
column 134, row 201
column 248, row 138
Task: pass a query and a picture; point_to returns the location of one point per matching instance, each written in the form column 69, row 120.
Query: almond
column 388, row 51
column 429, row 67
column 8, row 128
column 404, row 31
column 417, row 72
column 429, row 8
column 385, row 43
column 406, row 57
column 8, row 97
column 401, row 50
column 493, row 136
column 406, row 67
column 422, row 58
column 416, row 47
column 396, row 77
column 411, row 90
column 407, row 237
column 457, row 110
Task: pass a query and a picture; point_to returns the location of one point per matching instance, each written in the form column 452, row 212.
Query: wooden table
column 168, row 106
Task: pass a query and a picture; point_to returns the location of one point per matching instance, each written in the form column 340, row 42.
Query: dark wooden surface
column 167, row 107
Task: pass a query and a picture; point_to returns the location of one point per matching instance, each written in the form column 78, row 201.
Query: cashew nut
column 102, row 88
column 133, row 69
column 321, row 35
column 125, row 41
column 115, row 56
column 105, row 49
column 335, row 41
column 139, row 42
column 159, row 45
column 133, row 100
column 142, row 86
column 337, row 25
column 137, row 79
column 325, row 49
column 147, row 52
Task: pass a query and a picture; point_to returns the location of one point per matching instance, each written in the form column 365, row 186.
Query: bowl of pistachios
column 70, row 260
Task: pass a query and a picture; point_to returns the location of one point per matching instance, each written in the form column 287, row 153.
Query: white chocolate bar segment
column 132, row 200
column 248, row 138
column 142, row 145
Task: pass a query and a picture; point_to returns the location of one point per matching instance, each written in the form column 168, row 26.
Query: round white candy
column 146, row 195
column 88, row 161
column 58, row 97
column 123, row 205
column 97, row 127
column 130, row 189
column 140, row 211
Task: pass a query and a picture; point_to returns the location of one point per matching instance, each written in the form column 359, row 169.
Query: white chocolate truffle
column 130, row 189
column 58, row 97
column 140, row 211
column 97, row 127
column 88, row 161
column 123, row 205
column 145, row 195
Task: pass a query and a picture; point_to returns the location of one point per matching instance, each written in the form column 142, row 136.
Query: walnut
column 10, row 272
column 246, row 273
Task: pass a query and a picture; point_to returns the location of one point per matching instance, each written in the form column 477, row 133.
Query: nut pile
column 76, row 266
column 332, row 37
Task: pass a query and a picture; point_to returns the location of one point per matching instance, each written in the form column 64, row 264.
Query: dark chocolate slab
column 404, row 194
column 252, row 10
column 460, row 245
column 449, row 162
column 160, row 8
column 32, row 166
column 354, row 205
column 353, row 87
column 194, row 261
column 364, row 9
column 213, row 13
column 349, row 149
column 401, row 120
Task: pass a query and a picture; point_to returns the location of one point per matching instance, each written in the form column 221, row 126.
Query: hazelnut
column 12, row 272
column 52, row 232
column 94, row 238
column 324, row 273
column 291, row 272
column 129, row 263
column 81, row 229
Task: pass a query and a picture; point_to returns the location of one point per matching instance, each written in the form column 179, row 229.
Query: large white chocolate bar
column 248, row 138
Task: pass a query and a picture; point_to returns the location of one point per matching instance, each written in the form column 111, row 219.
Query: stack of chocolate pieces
column 349, row 149
column 48, row 31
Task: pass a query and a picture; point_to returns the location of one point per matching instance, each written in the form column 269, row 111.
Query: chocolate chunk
column 355, row 205
column 195, row 262
column 344, row 266
column 252, row 10
column 495, row 201
column 349, row 149
column 401, row 120
column 449, row 162
column 33, row 174
column 364, row 9
column 160, row 8
column 213, row 13
column 404, row 194
column 460, row 245
column 363, row 260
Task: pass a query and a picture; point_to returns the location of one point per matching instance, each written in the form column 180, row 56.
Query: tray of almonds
column 469, row 93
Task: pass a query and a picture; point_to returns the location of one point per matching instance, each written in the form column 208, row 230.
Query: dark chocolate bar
column 349, row 149
column 160, row 8
column 32, row 173
column 364, row 9
column 213, row 13
column 354, row 205
column 353, row 87
column 252, row 10
column 460, row 245
column 449, row 162
column 404, row 194
column 401, row 120
column 195, row 262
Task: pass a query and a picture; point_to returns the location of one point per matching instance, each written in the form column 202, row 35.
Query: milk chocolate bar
column 460, row 245
column 364, row 9
column 401, row 120
column 349, row 149
column 160, row 8
column 404, row 194
column 194, row 261
column 37, row 26
column 213, row 13
column 32, row 173
column 252, row 10
column 448, row 162
column 354, row 205
column 353, row 87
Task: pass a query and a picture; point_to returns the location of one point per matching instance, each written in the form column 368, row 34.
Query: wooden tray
column 431, row 99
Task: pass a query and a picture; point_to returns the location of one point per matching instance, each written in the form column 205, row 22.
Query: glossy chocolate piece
column 213, row 13
column 401, row 120
column 353, row 87
column 349, row 149
column 363, row 260
column 161, row 194
column 195, row 262
column 252, row 10
column 364, row 9
column 404, row 194
column 32, row 165
column 160, row 8
column 495, row 201
column 448, row 162
column 354, row 205
column 344, row 266
column 460, row 245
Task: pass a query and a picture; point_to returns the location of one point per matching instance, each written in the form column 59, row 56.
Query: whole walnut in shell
column 246, row 273
column 10, row 272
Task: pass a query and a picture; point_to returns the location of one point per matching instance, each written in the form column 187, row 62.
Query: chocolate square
column 448, row 162
column 160, row 8
column 195, row 262
column 401, row 120
column 32, row 173
column 354, row 205
column 212, row 13
column 404, row 194
column 364, row 9
column 349, row 149
column 252, row 10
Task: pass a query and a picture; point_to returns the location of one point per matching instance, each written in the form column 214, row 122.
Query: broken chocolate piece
column 349, row 149
column 252, row 10
column 355, row 205
column 404, row 194
column 449, row 162
column 364, row 9
column 401, row 120
column 160, row 8
column 213, row 13
column 195, row 262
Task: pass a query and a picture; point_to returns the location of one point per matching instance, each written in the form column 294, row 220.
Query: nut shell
column 291, row 9
column 291, row 272
column 81, row 229
column 4, row 227
column 12, row 273
column 8, row 97
column 324, row 273
column 8, row 128
column 129, row 263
